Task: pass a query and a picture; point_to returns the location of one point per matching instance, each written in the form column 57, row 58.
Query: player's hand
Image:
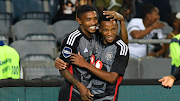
column 114, row 15
column 85, row 93
column 78, row 60
column 60, row 64
column 167, row 81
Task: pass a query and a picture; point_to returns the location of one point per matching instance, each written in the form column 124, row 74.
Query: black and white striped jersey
column 111, row 58
column 76, row 42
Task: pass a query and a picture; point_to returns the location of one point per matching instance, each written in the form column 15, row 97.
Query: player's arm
column 110, row 77
column 63, row 69
column 65, row 60
column 117, row 16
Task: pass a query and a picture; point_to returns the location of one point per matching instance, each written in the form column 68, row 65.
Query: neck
column 85, row 32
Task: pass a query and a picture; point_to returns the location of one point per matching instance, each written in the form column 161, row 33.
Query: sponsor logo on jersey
column 92, row 60
column 108, row 56
column 85, row 50
column 66, row 52
column 98, row 64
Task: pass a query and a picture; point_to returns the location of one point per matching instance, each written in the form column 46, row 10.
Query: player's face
column 154, row 15
column 108, row 30
column 88, row 22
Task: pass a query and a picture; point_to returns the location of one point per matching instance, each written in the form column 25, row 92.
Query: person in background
column 168, row 81
column 9, row 62
column 173, row 21
column 147, row 27
column 67, row 9
column 125, row 7
column 163, row 6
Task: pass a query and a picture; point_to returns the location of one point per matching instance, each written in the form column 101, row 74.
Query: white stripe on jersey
column 72, row 37
column 124, row 47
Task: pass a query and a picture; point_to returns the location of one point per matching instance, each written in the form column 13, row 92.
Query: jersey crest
column 108, row 56
column 67, row 52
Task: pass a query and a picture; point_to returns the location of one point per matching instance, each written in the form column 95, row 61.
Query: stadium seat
column 46, row 40
column 37, row 57
column 25, row 48
column 155, row 68
column 32, row 9
column 2, row 6
column 63, row 27
column 42, row 70
column 25, row 27
column 6, row 18
column 53, row 7
column 48, row 47
column 132, row 69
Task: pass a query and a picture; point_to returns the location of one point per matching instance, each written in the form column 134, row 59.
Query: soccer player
column 110, row 61
column 111, row 39
column 81, row 40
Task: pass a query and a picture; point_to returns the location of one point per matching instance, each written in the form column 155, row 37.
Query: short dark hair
column 83, row 9
column 103, row 18
column 146, row 8
column 171, row 19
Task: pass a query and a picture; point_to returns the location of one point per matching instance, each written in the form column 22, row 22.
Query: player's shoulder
column 122, row 47
column 75, row 33
column 73, row 36
column 120, row 42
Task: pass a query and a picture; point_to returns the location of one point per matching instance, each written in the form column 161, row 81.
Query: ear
column 79, row 21
column 148, row 16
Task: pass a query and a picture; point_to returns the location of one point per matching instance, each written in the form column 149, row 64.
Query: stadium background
column 40, row 67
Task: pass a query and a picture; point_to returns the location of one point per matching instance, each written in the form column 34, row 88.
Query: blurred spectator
column 67, row 10
column 163, row 6
column 175, row 52
column 146, row 28
column 125, row 7
column 174, row 22
column 9, row 62
column 174, row 45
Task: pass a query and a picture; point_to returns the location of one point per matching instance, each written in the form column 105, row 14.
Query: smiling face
column 108, row 29
column 88, row 22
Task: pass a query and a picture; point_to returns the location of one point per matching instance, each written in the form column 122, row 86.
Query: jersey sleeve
column 67, row 49
column 121, row 60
